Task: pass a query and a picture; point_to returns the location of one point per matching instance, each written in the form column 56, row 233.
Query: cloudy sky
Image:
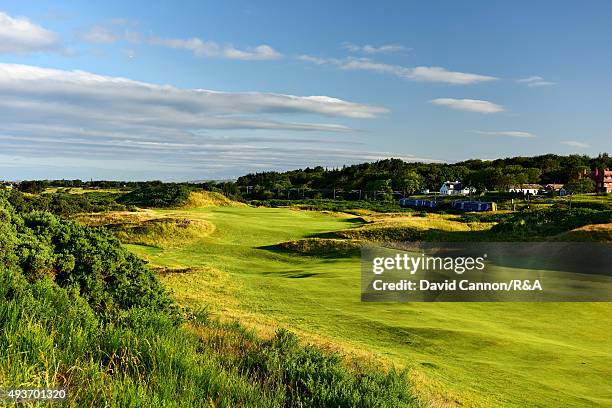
column 195, row 90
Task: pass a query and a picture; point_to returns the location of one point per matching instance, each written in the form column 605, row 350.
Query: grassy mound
column 146, row 228
column 322, row 246
column 163, row 232
column 103, row 219
column 588, row 233
column 430, row 227
column 209, row 199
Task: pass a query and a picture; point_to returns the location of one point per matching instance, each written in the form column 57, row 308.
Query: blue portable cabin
column 415, row 202
column 473, row 205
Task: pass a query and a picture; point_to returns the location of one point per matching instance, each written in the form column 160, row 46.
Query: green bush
column 550, row 221
column 64, row 204
column 163, row 195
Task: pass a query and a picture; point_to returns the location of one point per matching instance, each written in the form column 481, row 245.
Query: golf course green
column 458, row 354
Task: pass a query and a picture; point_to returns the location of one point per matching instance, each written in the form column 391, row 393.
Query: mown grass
column 478, row 354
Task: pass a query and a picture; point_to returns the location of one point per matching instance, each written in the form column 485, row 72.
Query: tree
column 381, row 189
column 584, row 185
column 411, row 182
column 32, row 186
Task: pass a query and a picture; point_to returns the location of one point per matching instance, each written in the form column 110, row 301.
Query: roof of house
column 452, row 184
column 527, row 186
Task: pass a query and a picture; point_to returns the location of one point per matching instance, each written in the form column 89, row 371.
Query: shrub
column 163, row 195
column 550, row 221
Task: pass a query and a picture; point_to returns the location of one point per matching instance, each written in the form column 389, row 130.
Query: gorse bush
column 89, row 261
column 319, row 379
column 64, row 204
column 79, row 311
column 163, row 195
column 550, row 221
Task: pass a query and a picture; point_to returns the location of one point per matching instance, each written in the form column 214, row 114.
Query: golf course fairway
column 458, row 354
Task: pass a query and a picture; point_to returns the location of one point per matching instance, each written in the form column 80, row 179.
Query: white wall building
column 531, row 189
column 455, row 187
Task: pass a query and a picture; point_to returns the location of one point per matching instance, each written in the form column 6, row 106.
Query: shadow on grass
column 327, row 253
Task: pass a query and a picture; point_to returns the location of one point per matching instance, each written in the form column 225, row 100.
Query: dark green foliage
column 312, row 378
column 65, row 204
column 91, row 261
column 375, row 181
column 163, row 195
column 550, row 221
column 32, row 186
column 584, row 185
column 334, row 205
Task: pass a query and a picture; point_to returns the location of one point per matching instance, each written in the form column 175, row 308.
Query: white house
column 455, row 187
column 525, row 189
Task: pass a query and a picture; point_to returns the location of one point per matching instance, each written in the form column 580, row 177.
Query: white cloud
column 30, row 85
column 471, row 105
column 20, row 35
column 574, row 143
column 316, row 60
column 197, row 46
column 203, row 48
column 100, row 34
column 50, row 115
column 421, row 73
column 110, row 32
column 261, row 52
column 438, row 74
column 372, row 49
column 509, row 133
column 535, row 81
column 114, row 31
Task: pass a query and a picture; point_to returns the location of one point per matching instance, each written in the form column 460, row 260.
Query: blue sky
column 215, row 90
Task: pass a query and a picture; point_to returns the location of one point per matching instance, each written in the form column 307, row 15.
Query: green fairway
column 476, row 354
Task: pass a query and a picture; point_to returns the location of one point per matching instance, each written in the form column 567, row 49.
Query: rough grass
column 394, row 227
column 147, row 228
column 323, row 246
column 163, row 232
column 81, row 190
column 210, row 199
column 595, row 233
column 52, row 338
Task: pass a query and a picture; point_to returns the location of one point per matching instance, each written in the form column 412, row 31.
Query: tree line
column 377, row 180
column 385, row 176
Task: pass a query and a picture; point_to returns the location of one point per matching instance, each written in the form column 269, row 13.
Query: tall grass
column 52, row 338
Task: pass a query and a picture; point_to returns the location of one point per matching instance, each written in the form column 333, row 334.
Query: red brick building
column 603, row 180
